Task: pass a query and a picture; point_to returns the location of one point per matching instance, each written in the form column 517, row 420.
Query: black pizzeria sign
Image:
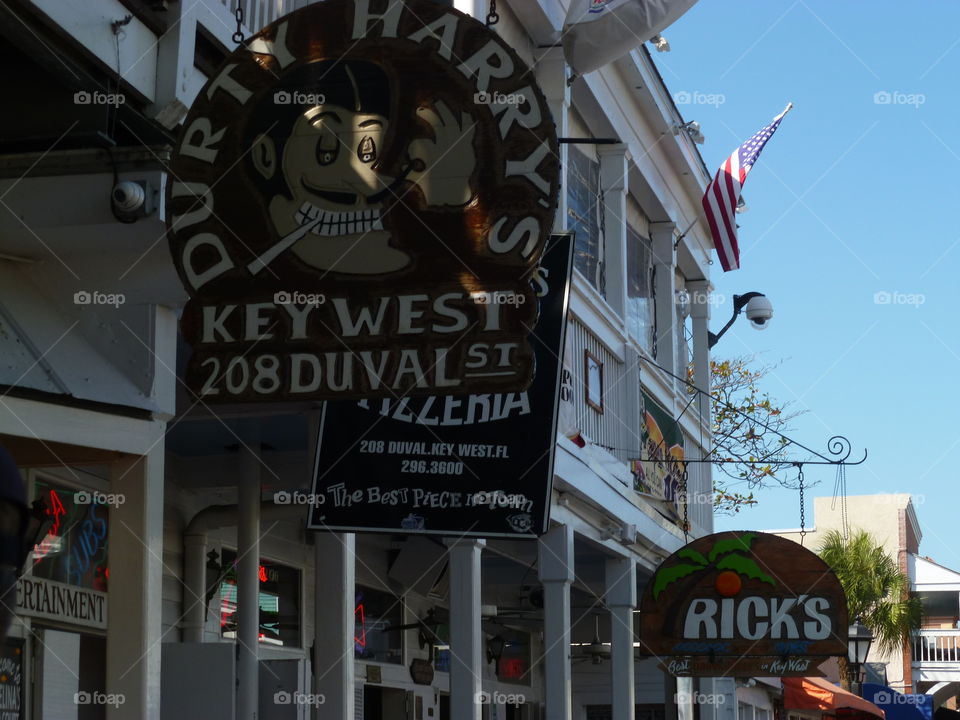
column 466, row 465
column 356, row 201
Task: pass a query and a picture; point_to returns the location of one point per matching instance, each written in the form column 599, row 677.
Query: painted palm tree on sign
column 730, row 557
column 877, row 591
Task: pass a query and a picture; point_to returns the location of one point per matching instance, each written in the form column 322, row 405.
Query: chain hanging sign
column 356, row 202
column 743, row 603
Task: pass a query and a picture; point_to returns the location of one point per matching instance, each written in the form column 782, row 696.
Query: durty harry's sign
column 356, row 203
column 744, row 594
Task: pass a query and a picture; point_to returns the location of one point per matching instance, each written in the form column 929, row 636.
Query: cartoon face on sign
column 323, row 161
column 348, row 189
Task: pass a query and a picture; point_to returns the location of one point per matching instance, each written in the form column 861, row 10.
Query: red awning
column 811, row 693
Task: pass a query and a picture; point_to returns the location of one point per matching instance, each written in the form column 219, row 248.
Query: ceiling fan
column 596, row 652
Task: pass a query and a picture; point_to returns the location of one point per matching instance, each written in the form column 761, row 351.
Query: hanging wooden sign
column 744, row 594
column 356, row 202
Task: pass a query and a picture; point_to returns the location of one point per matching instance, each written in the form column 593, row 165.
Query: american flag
column 723, row 192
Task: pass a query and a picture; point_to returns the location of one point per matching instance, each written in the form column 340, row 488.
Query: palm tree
column 878, row 593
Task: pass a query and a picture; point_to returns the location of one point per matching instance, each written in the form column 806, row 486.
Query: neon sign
column 57, row 511
column 360, row 642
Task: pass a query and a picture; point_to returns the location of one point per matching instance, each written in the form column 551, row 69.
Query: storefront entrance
column 71, row 675
column 383, row 703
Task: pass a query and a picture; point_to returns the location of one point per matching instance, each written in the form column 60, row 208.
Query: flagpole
column 787, row 109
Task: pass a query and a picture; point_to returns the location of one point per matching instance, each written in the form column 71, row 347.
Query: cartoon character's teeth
column 330, row 224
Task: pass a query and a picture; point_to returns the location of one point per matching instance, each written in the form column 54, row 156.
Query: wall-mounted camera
column 759, row 312
column 132, row 200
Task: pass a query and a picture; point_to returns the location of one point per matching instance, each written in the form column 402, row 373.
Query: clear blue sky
column 851, row 198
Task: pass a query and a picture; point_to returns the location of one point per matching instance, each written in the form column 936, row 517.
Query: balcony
column 936, row 655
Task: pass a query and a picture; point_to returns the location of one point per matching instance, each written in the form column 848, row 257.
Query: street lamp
column 759, row 312
column 859, row 638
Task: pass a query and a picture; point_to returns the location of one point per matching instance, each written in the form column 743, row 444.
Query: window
column 640, row 314
column 583, row 209
column 593, row 381
column 745, row 711
column 761, row 714
column 279, row 601
column 74, row 550
column 377, row 616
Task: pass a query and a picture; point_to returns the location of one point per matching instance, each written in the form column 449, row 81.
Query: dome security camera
column 128, row 197
column 759, row 312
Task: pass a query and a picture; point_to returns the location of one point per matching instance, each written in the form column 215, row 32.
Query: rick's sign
column 358, row 199
column 743, row 595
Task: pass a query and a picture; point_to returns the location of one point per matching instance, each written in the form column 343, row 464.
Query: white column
column 248, row 582
column 613, row 186
column 466, row 637
column 551, row 74
column 664, row 261
column 684, row 698
column 134, row 592
column 699, row 291
column 194, row 580
column 723, row 696
column 556, row 573
column 334, row 601
column 621, row 599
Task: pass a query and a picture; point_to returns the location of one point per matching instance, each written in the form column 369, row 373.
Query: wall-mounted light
column 660, row 43
column 692, row 129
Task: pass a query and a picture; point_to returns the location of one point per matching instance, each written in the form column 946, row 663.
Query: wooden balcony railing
column 936, row 646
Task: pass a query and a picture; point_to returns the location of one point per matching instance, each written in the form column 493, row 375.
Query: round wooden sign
column 357, row 200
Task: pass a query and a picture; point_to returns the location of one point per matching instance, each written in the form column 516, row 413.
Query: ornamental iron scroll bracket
column 837, row 454
column 838, row 451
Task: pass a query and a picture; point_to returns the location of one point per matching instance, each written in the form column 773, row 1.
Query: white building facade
column 165, row 514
